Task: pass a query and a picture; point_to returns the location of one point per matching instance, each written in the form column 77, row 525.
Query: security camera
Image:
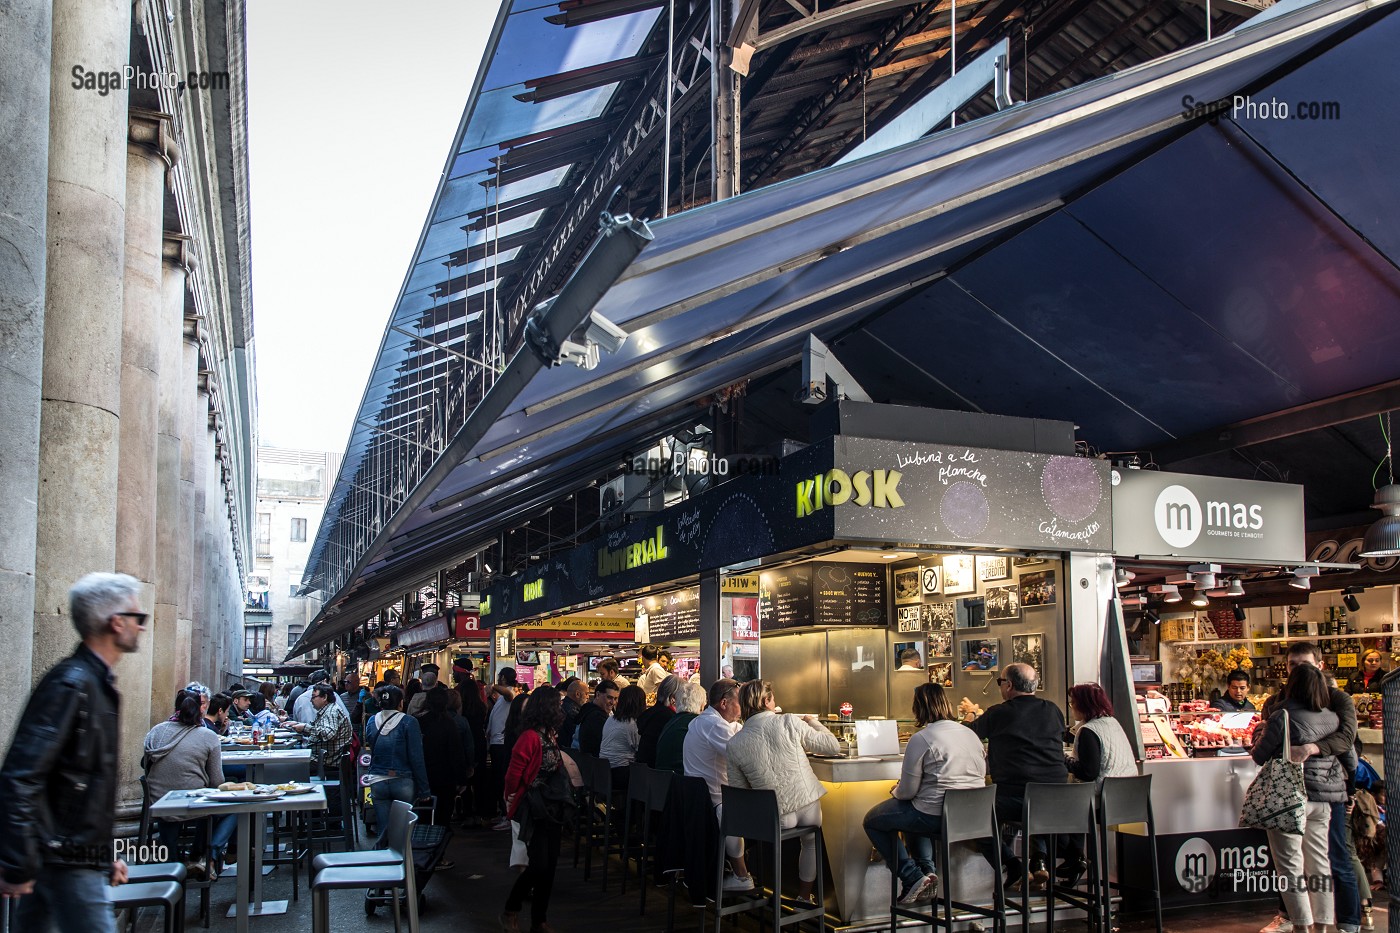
column 598, row 330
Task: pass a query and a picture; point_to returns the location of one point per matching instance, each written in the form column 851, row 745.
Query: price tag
column 1346, row 660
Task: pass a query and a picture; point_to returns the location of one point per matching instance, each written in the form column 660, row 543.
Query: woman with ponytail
column 181, row 754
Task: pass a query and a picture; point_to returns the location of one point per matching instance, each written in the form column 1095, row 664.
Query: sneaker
column 1280, row 924
column 1039, row 876
column 737, row 883
column 501, row 824
column 1367, row 921
column 931, row 891
column 914, row 893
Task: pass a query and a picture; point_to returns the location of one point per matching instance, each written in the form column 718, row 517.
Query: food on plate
column 286, row 786
column 237, row 785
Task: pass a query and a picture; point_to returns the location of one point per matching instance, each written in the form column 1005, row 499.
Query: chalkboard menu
column 674, row 616
column 789, row 598
column 825, row 594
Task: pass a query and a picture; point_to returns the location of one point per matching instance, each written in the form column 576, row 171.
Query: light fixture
column 1383, row 537
column 1349, row 598
column 1199, row 599
column 1123, row 576
column 1239, row 613
column 1236, row 587
column 1168, row 592
column 1302, row 577
column 1152, row 617
column 1204, row 581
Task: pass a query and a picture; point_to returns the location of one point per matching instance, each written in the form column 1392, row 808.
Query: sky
column 352, row 108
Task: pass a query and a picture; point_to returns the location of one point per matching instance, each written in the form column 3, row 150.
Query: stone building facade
column 127, row 398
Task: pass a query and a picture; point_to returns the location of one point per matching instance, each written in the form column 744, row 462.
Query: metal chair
column 162, row 870
column 169, row 896
column 1123, row 801
column 753, row 814
column 584, row 813
column 1060, row 809
column 603, row 808
column 400, row 815
column 397, row 876
column 658, row 796
column 638, row 792
column 968, row 816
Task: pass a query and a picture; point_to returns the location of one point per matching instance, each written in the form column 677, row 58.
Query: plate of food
column 293, row 788
column 239, row 791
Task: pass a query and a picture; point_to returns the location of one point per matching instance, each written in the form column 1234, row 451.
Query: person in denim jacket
column 396, row 770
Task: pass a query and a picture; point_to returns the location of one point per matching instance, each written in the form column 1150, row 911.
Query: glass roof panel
column 498, row 116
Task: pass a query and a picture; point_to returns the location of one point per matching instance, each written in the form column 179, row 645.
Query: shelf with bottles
column 1367, row 640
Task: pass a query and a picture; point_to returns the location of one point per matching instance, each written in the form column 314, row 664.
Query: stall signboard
column 467, row 624
column 427, row 632
column 576, row 628
column 824, row 593
column 896, row 492
column 1206, row 517
column 1219, row 866
column 674, row 616
column 843, row 489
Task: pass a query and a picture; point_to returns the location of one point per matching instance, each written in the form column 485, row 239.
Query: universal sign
column 631, row 556
column 877, row 488
column 1161, row 514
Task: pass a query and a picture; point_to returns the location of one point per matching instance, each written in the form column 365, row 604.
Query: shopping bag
column 1277, row 799
column 519, row 858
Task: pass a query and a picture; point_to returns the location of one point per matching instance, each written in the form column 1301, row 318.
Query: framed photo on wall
column 939, row 617
column 941, row 673
column 931, row 580
column 909, row 656
column 959, row 574
column 940, row 644
column 1003, row 602
column 972, row 612
column 1038, row 588
column 993, row 568
column 979, row 655
column 1030, row 649
column 910, row 618
column 906, row 586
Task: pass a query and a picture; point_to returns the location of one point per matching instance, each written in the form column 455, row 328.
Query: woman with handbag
column 1298, row 836
column 535, row 764
column 395, row 743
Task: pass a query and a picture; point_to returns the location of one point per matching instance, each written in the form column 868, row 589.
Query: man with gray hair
column 59, row 780
column 1025, row 745
column 655, row 718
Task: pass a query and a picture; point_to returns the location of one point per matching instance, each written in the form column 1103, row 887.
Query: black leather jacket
column 59, row 781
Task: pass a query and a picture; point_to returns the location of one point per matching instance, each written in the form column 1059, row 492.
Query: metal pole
column 670, row 90
column 953, row 52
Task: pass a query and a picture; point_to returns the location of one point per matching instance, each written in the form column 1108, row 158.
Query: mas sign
column 1160, row 514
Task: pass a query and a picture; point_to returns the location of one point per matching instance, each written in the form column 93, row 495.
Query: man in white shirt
column 706, row 754
column 653, row 673
column 506, row 688
column 607, row 669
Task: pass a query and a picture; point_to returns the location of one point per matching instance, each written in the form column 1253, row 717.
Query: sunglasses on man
column 140, row 617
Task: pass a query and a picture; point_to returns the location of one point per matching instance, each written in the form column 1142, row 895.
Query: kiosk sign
column 1160, row 514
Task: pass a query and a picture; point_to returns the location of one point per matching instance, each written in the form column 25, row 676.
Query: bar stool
column 1055, row 809
column 397, row 876
column 584, row 815
column 753, row 814
column 657, row 799
column 162, row 871
column 638, row 795
column 169, row 896
column 400, row 813
column 1123, row 801
column 968, row 815
column 604, row 808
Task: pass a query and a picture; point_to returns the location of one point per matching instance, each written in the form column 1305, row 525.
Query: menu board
column 674, row 616
column 825, row 594
column 849, row 594
column 789, row 598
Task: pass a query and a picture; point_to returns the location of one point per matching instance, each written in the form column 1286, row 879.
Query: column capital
column 154, row 131
column 178, row 250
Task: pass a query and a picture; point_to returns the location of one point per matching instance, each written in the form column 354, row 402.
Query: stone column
column 188, row 531
column 170, row 665
column 25, row 41
column 82, row 319
column 143, row 702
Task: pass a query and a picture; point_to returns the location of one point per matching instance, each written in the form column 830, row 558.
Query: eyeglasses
column 140, row 617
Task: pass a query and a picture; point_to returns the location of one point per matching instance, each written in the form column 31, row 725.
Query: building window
column 299, row 529
column 293, row 634
column 255, row 643
column 264, row 532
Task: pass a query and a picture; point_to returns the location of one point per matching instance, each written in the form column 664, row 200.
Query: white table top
column 239, row 755
column 183, row 804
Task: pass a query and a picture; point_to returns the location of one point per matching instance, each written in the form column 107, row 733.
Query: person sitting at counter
column 706, row 754
column 1101, row 750
column 770, row 753
column 1235, row 699
column 588, row 737
column 1024, row 745
column 653, row 722
column 1369, row 675
column 670, row 746
column 940, row 756
column 575, row 696
column 618, row 746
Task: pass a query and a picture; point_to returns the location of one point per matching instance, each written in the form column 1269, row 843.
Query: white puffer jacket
column 770, row 753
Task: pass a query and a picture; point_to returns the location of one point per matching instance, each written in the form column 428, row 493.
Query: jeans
column 1344, row 885
column 68, row 900
column 500, row 761
column 215, row 845
column 536, row 882
column 886, row 821
column 1010, row 807
column 384, row 793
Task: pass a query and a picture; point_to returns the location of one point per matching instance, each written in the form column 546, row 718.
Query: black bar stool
column 1122, row 801
column 753, row 814
column 604, row 808
column 968, row 815
column 1060, row 809
column 396, row 877
column 585, row 815
column 657, row 799
column 638, row 795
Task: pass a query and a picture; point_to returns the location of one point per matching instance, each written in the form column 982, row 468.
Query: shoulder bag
column 1277, row 799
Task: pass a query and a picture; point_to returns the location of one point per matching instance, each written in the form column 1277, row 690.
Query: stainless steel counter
column 1195, row 795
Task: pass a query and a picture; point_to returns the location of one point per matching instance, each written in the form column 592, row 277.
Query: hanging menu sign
column 789, row 598
column 674, row 616
column 849, row 594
